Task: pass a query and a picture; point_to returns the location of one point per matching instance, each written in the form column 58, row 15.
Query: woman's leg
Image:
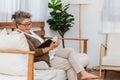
column 64, row 52
column 71, row 74
column 73, row 59
column 61, row 63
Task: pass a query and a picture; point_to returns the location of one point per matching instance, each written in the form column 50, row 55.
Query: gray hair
column 19, row 16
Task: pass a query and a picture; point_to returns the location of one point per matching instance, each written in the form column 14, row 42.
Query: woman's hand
column 52, row 46
column 55, row 44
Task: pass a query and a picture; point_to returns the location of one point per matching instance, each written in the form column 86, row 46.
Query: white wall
column 91, row 29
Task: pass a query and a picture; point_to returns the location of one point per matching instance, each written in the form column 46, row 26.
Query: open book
column 48, row 42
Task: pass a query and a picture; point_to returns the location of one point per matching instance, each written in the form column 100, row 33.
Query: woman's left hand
column 55, row 44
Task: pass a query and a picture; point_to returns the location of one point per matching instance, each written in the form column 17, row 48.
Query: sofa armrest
column 85, row 41
column 30, row 61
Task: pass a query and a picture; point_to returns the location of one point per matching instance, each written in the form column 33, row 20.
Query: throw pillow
column 13, row 64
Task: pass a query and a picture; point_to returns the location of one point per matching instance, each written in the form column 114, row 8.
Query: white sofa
column 19, row 71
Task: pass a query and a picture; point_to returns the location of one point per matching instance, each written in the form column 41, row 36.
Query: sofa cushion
column 13, row 64
column 39, row 75
column 41, row 65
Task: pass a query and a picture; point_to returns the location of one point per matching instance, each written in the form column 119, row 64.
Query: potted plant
column 60, row 20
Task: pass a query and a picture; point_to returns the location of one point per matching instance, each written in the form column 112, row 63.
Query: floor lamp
column 80, row 3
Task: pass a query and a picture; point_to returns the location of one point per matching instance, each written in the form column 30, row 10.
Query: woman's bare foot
column 86, row 75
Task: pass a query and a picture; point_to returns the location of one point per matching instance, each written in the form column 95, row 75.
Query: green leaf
column 66, row 7
column 53, row 1
column 58, row 2
column 50, row 5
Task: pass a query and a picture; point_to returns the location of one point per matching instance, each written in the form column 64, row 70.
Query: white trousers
column 67, row 60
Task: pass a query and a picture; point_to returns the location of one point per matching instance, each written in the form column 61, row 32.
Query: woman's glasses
column 26, row 24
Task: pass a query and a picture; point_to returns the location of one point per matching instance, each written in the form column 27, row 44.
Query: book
column 45, row 44
column 55, row 38
column 48, row 42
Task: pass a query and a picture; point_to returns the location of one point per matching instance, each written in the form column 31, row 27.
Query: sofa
column 19, row 64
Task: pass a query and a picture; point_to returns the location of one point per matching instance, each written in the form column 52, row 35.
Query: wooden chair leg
column 105, row 74
column 100, row 72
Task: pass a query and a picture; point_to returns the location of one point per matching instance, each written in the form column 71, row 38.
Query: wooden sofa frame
column 12, row 25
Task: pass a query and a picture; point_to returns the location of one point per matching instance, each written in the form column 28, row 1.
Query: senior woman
column 62, row 59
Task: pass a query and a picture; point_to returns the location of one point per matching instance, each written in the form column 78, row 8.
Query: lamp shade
column 79, row 1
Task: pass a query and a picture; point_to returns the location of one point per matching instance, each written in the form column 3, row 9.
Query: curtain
column 7, row 7
column 38, row 8
column 111, row 16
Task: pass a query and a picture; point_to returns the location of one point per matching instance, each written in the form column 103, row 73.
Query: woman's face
column 25, row 25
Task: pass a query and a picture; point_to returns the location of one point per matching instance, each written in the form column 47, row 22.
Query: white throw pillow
column 3, row 32
column 13, row 64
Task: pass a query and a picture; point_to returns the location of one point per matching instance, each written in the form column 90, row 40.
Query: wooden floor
column 111, row 75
